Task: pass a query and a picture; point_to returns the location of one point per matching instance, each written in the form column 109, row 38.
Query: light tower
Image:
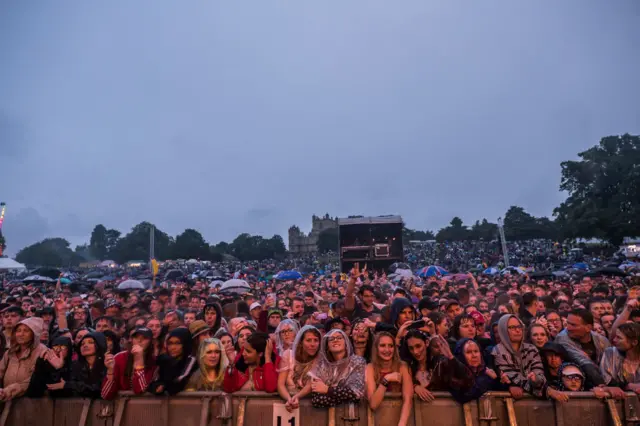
column 3, row 208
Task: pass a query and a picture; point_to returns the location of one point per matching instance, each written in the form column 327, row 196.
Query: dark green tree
column 53, row 252
column 484, row 230
column 456, row 231
column 103, row 241
column 84, row 251
column 191, row 245
column 520, row 225
column 328, row 240
column 604, row 191
column 135, row 245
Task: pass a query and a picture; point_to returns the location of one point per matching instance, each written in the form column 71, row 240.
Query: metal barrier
column 258, row 409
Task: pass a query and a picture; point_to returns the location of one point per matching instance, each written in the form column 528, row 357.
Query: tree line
column 603, row 201
column 112, row 245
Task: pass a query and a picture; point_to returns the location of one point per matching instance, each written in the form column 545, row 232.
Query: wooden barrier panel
column 259, row 408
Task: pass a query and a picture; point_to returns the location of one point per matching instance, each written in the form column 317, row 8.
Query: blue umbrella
column 432, row 271
column 288, row 275
column 491, row 271
column 581, row 266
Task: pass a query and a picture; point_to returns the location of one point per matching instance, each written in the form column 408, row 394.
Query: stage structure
column 375, row 241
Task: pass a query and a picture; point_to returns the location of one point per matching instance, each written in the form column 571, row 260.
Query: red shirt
column 138, row 382
column 265, row 377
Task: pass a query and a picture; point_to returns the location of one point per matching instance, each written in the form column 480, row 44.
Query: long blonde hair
column 222, row 365
column 396, row 362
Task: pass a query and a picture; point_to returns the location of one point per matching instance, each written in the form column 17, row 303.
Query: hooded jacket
column 576, row 355
column 482, row 383
column 45, row 374
column 173, row 374
column 517, row 365
column 86, row 381
column 16, row 371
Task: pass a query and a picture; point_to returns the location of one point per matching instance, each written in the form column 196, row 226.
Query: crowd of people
column 335, row 339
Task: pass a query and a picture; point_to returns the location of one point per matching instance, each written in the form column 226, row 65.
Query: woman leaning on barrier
column 387, row 372
column 176, row 365
column 468, row 352
column 133, row 369
column 18, row 363
column 294, row 382
column 53, row 366
column 88, row 371
column 255, row 367
column 517, row 362
column 433, row 366
column 338, row 376
column 620, row 364
column 212, row 363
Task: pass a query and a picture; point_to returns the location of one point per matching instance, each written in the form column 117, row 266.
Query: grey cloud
column 228, row 118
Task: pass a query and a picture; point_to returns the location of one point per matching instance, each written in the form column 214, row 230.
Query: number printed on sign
column 281, row 417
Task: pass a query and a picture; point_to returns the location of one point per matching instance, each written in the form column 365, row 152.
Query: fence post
column 241, row 408
column 5, row 413
column 485, row 410
column 122, row 402
column 204, row 412
column 468, row 418
column 615, row 416
column 511, row 412
column 331, row 415
column 85, row 412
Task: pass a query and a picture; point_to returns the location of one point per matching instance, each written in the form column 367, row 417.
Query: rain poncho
column 280, row 344
column 345, row 378
column 517, row 365
column 298, row 371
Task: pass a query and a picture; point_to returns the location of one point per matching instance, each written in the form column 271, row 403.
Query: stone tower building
column 300, row 243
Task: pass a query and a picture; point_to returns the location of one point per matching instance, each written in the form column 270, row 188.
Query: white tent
column 10, row 264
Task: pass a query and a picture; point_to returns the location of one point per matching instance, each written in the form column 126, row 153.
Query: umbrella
column 173, row 274
column 235, row 286
column 38, row 279
column 288, row 275
column 94, row 274
column 431, row 271
column 405, row 273
column 541, row 274
column 611, row 272
column 131, row 285
column 490, row 271
column 512, row 270
column 65, row 281
column 47, row 272
column 559, row 273
column 215, row 274
column 581, row 266
column 216, row 283
column 107, row 278
column 398, row 265
column 458, row 277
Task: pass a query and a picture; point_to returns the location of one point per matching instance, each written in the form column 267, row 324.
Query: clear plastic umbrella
column 235, row 286
column 131, row 285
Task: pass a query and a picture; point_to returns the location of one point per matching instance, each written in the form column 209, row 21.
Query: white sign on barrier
column 281, row 417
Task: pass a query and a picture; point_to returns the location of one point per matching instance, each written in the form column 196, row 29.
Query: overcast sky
column 232, row 117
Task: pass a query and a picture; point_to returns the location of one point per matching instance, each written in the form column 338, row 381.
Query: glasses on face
column 515, row 327
column 334, row 338
column 573, row 377
column 287, row 331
